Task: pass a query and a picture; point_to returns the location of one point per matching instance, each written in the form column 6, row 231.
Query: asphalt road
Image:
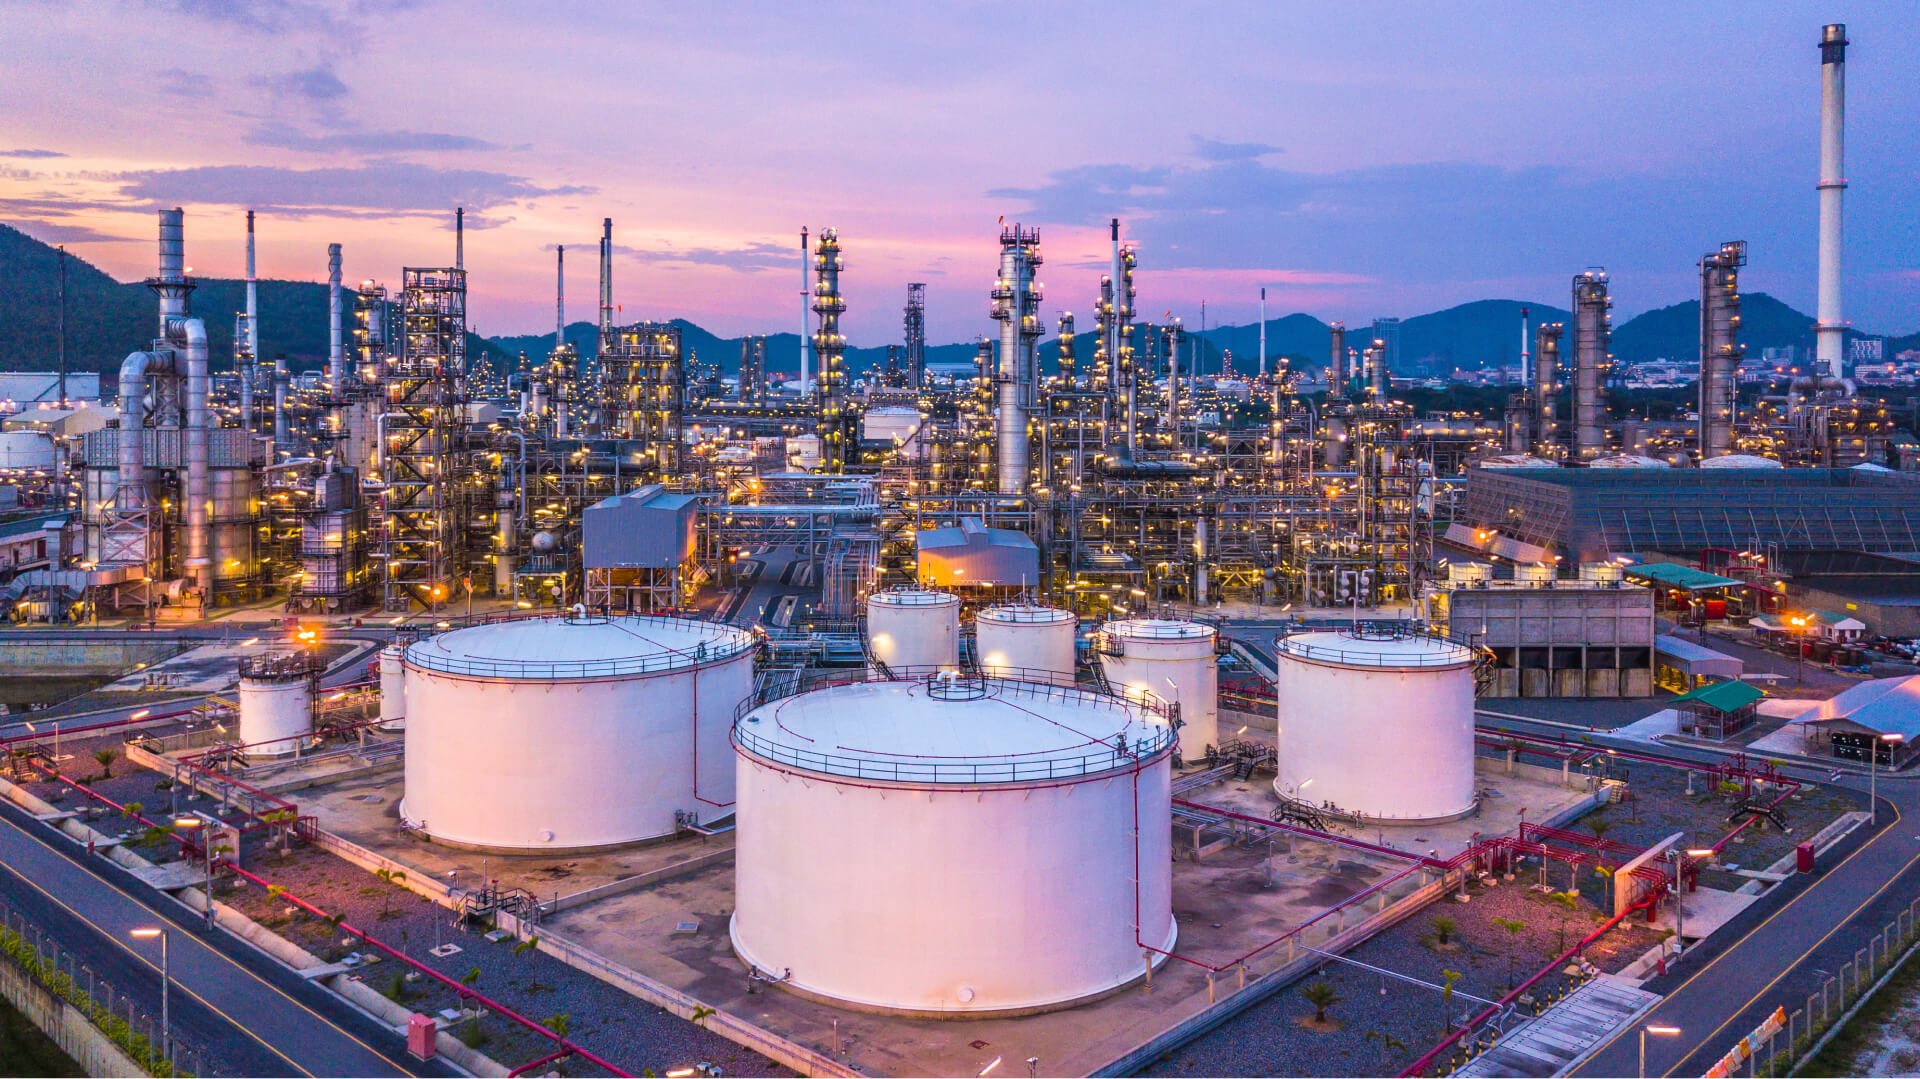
column 1721, row 990
column 241, row 1007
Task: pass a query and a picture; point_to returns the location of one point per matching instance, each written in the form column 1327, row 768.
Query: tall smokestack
column 460, row 238
column 171, row 285
column 1526, row 347
column 1263, row 332
column 606, row 279
column 253, row 297
column 559, row 298
column 336, row 350
column 1830, row 329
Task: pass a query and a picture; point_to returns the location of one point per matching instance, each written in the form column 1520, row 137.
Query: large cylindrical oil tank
column 393, row 688
column 1027, row 641
column 576, row 733
column 911, row 629
column 1173, row 660
column 1376, row 723
column 26, row 450
column 276, row 703
column 955, row 846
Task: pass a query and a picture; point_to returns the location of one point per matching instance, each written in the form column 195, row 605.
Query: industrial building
column 1591, row 635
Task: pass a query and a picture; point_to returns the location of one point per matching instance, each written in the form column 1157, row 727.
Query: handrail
column 1456, row 654
column 728, row 642
column 1122, row 751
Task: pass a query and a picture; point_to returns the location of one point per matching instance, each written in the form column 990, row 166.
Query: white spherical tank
column 276, row 703
column 26, row 450
column 1026, row 640
column 1174, row 661
column 571, row 734
column 953, row 847
column 393, row 688
column 1376, row 723
column 914, row 628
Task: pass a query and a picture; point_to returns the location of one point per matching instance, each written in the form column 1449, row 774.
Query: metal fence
column 1843, row 990
column 123, row 1018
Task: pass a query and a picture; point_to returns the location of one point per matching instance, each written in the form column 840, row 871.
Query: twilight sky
column 1384, row 159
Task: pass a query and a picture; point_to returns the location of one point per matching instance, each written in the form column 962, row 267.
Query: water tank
column 1174, row 661
column 572, row 733
column 956, row 846
column 393, row 688
column 26, row 450
column 1379, row 724
column 276, row 703
column 913, row 629
column 893, row 423
column 1026, row 640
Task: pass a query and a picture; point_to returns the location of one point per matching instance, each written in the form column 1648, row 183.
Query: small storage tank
column 1029, row 641
column 1534, row 575
column 573, row 733
column 1469, row 574
column 276, row 703
column 803, row 451
column 1377, row 723
column 393, row 688
column 1174, row 661
column 890, row 423
column 954, row 845
column 914, row 629
column 26, row 450
column 1606, row 573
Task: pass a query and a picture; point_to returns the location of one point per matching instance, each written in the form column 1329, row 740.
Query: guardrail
column 735, row 642
column 1455, row 654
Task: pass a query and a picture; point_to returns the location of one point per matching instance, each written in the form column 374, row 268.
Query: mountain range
column 106, row 319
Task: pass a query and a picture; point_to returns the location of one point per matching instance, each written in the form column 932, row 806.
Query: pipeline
column 1419, row 1067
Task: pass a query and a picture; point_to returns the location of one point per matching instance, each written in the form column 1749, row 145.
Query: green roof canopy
column 1674, row 575
column 1723, row 696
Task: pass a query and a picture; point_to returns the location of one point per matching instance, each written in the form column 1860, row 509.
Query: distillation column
column 1337, row 361
column 1720, row 349
column 1591, row 335
column 828, row 344
column 915, row 324
column 1546, row 387
column 1830, row 329
column 336, row 347
column 1016, row 306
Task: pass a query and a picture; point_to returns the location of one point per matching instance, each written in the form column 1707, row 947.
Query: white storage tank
column 276, row 703
column 1027, row 641
column 912, row 629
column 1377, row 723
column 574, row 733
column 953, row 846
column 393, row 688
column 29, row 450
column 803, row 452
column 897, row 424
column 1173, row 660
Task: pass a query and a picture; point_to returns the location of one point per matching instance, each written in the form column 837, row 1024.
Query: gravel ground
column 637, row 1036
column 1385, row 1025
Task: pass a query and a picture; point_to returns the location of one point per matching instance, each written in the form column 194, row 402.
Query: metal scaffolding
column 426, row 407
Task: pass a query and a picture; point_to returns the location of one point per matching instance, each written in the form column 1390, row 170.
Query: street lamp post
column 1873, row 770
column 166, row 992
column 1664, row 1032
column 206, row 849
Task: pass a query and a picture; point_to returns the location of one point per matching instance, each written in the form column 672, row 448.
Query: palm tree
column 1599, row 825
column 1569, row 904
column 1322, row 995
column 1443, row 926
column 1446, row 995
column 559, row 1022
column 105, row 757
column 1514, row 928
column 395, row 877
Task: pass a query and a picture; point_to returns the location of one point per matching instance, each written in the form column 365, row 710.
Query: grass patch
column 1867, row 1024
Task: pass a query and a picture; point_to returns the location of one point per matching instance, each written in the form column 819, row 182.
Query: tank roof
column 1368, row 649
column 913, row 597
column 957, row 731
column 1159, row 629
column 1026, row 613
column 573, row 647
